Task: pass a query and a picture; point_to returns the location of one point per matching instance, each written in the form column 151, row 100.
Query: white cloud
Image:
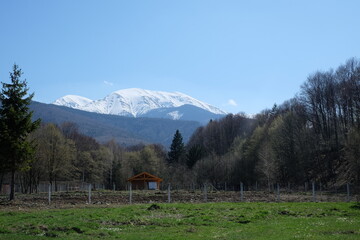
column 232, row 102
column 108, row 83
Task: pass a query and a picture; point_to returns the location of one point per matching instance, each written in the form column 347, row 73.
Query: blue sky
column 240, row 56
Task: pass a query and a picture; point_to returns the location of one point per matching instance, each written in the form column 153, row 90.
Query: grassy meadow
column 186, row 221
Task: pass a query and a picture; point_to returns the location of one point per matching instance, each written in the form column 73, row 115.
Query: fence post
column 241, row 191
column 130, row 193
column 320, row 191
column 90, row 193
column 313, row 192
column 169, row 193
column 49, row 197
column 278, row 192
column 205, row 192
column 348, row 192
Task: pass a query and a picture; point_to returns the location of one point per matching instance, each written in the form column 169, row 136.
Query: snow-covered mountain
column 73, row 101
column 135, row 102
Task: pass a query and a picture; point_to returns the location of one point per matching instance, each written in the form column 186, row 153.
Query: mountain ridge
column 125, row 130
column 136, row 102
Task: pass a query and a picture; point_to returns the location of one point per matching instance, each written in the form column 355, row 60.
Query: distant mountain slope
column 135, row 102
column 184, row 112
column 73, row 101
column 124, row 130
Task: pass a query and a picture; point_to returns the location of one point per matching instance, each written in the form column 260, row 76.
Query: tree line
column 314, row 136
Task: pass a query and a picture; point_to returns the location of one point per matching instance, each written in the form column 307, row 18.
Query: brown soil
column 108, row 198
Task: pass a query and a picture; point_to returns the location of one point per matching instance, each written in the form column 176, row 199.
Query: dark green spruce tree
column 177, row 149
column 15, row 125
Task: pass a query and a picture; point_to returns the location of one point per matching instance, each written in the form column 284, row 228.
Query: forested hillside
column 313, row 137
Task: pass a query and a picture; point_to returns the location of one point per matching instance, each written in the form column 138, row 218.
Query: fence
column 315, row 192
column 81, row 193
column 58, row 187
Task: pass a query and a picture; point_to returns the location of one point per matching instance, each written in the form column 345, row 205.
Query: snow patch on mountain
column 135, row 102
column 175, row 115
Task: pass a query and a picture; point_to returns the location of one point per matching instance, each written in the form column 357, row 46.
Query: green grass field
column 186, row 221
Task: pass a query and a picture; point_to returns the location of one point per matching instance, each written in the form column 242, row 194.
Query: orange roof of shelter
column 145, row 176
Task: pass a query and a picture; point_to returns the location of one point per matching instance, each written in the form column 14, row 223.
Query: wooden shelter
column 145, row 181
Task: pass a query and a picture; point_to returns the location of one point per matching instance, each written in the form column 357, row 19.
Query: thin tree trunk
column 1, row 179
column 12, row 186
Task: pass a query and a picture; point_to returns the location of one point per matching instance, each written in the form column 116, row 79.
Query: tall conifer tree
column 15, row 125
column 177, row 149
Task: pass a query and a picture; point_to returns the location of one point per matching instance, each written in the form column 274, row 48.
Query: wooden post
column 49, row 197
column 205, row 192
column 225, row 187
column 313, row 191
column 241, row 191
column 169, row 193
column 90, row 193
column 278, row 192
column 348, row 192
column 130, row 193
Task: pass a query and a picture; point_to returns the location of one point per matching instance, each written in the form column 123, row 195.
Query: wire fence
column 43, row 187
column 85, row 193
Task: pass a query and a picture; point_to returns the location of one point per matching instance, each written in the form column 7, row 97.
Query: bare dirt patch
column 108, row 198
